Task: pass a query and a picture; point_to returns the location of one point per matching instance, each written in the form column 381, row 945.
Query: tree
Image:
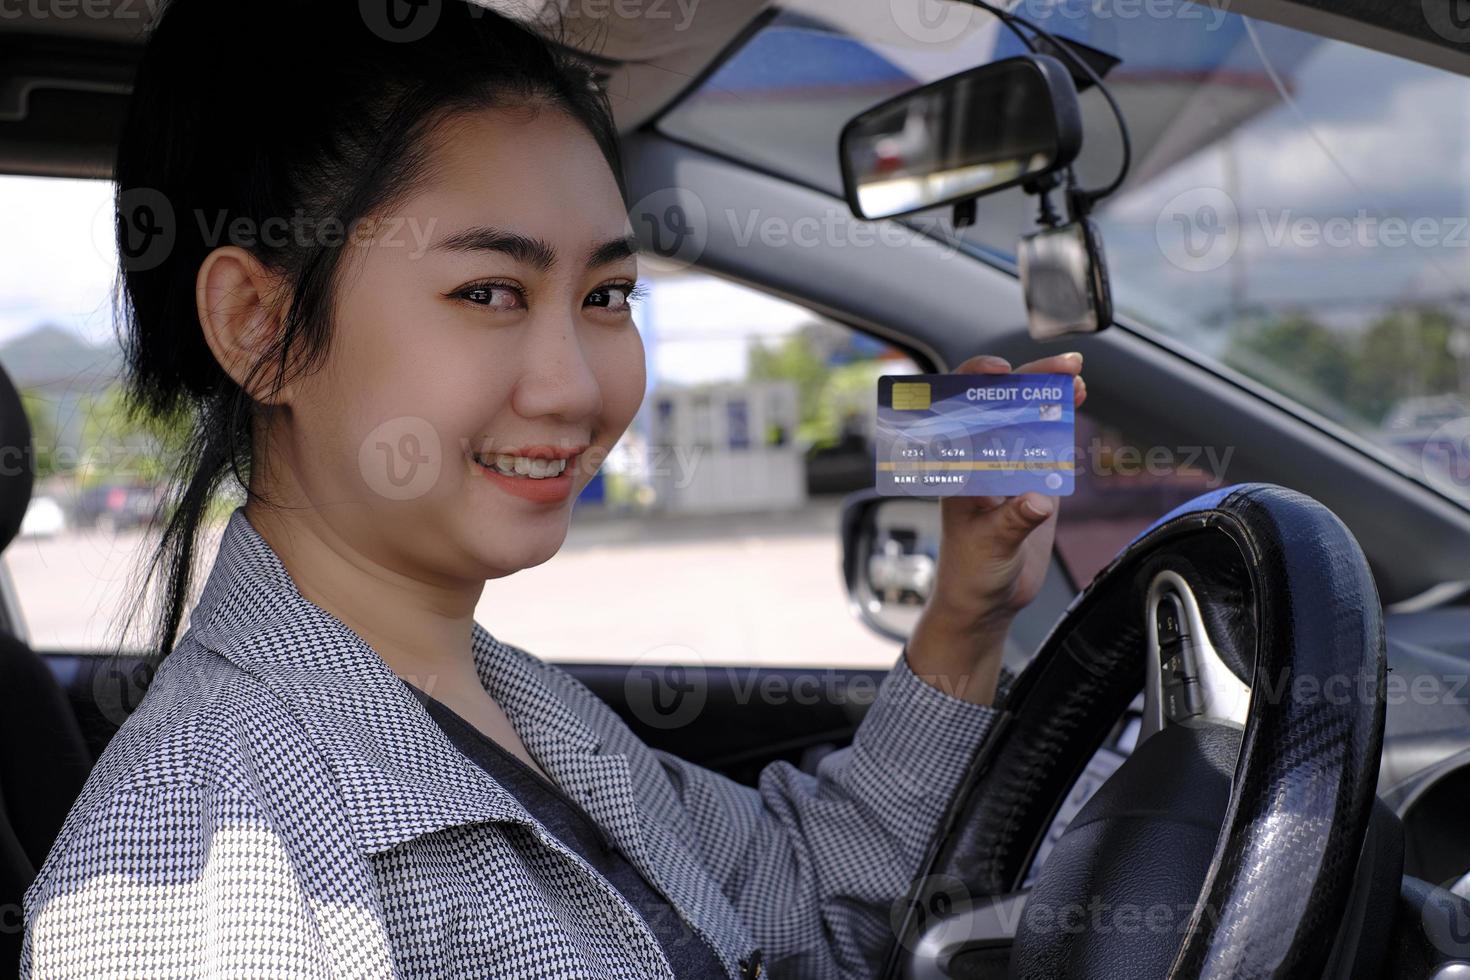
column 117, row 446
column 794, row 359
column 41, row 413
column 1355, row 379
column 1299, row 357
column 1403, row 355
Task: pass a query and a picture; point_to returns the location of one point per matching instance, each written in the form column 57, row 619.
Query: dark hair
column 339, row 99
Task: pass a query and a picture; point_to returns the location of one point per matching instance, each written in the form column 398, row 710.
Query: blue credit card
column 973, row 435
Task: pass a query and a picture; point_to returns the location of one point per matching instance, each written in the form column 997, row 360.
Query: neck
column 419, row 627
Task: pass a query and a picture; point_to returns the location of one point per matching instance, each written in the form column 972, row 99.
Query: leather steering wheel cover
column 1306, row 614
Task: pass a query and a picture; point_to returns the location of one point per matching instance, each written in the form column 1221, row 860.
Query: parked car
column 116, row 507
column 44, row 518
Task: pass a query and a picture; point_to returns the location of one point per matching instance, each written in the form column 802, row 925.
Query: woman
column 383, row 272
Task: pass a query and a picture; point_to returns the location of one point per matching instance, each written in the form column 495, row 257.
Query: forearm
column 815, row 863
column 957, row 654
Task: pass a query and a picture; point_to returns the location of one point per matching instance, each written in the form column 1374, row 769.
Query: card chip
column 908, row 396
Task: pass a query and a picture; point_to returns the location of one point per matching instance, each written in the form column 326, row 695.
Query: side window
column 709, row 536
column 96, row 474
column 1123, row 485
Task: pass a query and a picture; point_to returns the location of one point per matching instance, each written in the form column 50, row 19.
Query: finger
column 975, row 505
column 1020, row 516
column 1068, row 363
column 984, row 364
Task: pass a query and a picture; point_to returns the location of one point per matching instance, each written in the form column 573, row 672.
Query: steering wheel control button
column 1183, row 701
column 1186, row 681
column 1170, row 621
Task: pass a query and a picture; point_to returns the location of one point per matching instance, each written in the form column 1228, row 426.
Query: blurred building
column 725, row 448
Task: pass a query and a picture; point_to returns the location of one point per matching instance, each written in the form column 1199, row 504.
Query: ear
column 237, row 298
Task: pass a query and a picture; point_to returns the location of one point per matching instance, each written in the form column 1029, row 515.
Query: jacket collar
column 399, row 774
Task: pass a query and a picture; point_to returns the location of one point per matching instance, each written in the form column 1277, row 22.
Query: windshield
column 1296, row 209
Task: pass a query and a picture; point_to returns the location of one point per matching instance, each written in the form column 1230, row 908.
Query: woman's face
column 481, row 341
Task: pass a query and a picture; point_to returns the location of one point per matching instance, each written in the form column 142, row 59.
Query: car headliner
column 64, row 77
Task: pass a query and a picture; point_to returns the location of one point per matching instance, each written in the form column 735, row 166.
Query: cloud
column 56, row 256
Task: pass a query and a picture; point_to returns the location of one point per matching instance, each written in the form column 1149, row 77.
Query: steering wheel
column 1230, row 840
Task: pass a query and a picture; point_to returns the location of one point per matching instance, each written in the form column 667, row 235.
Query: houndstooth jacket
column 280, row 805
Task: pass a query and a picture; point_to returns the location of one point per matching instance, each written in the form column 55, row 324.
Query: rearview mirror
column 890, row 552
column 973, row 133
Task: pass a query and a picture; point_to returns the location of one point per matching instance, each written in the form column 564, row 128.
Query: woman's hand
column 993, row 557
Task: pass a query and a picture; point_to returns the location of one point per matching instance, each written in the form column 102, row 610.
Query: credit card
column 974, row 435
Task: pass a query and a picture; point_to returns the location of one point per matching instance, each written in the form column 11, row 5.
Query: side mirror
column 973, row 133
column 890, row 552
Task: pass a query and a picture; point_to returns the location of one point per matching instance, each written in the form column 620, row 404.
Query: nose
column 557, row 380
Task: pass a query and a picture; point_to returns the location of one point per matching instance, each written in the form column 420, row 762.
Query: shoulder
column 197, row 740
column 195, row 728
column 184, row 804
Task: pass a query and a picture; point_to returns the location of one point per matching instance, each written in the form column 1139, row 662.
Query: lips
column 540, row 474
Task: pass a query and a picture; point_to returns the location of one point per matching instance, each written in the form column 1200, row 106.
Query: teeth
column 535, row 469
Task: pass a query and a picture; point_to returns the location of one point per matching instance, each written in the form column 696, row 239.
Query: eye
column 495, row 295
column 617, row 297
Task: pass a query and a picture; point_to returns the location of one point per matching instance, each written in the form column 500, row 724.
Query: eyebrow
column 534, row 252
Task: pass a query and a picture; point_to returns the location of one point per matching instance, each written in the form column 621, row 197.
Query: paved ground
column 742, row 589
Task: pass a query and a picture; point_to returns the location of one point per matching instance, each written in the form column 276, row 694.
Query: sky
column 1365, row 138
column 56, row 255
